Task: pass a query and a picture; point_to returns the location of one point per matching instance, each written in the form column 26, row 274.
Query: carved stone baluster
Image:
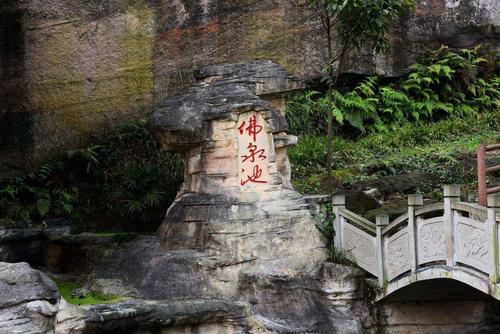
column 413, row 202
column 451, row 194
column 338, row 202
column 382, row 221
column 492, row 228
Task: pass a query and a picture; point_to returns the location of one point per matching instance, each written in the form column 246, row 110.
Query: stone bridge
column 451, row 240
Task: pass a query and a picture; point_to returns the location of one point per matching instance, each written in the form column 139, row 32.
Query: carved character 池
column 257, row 173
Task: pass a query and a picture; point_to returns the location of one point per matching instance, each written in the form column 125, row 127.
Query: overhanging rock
column 237, row 199
column 237, row 226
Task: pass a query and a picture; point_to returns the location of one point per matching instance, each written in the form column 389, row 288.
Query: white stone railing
column 459, row 238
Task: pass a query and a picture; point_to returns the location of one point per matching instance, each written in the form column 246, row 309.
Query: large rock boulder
column 331, row 299
column 236, row 202
column 237, row 231
column 28, row 300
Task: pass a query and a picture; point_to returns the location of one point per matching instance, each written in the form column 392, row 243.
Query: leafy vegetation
column 417, row 132
column 123, row 177
column 444, row 149
column 349, row 25
column 443, row 84
column 38, row 195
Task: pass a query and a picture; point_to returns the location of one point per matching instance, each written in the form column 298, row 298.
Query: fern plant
column 445, row 83
column 37, row 196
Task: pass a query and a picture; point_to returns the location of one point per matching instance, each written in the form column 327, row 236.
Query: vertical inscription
column 253, row 150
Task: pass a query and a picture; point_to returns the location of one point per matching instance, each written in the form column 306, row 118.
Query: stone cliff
column 72, row 69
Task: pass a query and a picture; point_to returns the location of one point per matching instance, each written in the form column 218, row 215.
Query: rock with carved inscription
column 237, row 229
column 237, row 200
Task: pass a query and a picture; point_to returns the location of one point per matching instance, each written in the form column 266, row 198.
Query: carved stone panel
column 254, row 151
column 397, row 254
column 361, row 247
column 472, row 245
column 431, row 240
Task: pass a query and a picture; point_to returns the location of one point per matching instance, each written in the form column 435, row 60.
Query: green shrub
column 144, row 190
column 37, row 196
column 443, row 84
column 125, row 176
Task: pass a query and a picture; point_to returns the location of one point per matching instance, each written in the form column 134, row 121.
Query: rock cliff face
column 31, row 304
column 73, row 69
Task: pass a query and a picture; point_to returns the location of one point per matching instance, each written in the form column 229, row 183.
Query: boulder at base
column 29, row 300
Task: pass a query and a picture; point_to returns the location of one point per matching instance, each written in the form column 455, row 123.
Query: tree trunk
column 329, row 152
column 333, row 80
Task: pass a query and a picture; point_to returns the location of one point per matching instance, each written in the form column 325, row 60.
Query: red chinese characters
column 251, row 170
column 252, row 129
column 254, row 178
column 254, row 152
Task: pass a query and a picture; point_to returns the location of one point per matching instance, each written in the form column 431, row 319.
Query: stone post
column 381, row 221
column 451, row 194
column 414, row 201
column 338, row 202
column 492, row 226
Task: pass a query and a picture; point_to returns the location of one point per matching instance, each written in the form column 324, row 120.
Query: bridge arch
column 450, row 240
column 473, row 279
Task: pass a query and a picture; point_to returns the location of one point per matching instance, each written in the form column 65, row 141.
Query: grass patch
column 444, row 150
column 66, row 287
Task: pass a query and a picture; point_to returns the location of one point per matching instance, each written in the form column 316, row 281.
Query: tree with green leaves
column 349, row 25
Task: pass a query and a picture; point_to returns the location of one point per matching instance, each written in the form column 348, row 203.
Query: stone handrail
column 473, row 209
column 395, row 223
column 429, row 208
column 452, row 239
column 404, row 217
column 358, row 220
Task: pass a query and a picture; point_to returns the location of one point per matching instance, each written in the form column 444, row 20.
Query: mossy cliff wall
column 72, row 69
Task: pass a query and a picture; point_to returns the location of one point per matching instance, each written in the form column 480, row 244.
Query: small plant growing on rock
column 38, row 195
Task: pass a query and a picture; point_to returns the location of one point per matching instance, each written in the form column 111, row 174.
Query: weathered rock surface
column 71, row 69
column 327, row 299
column 439, row 306
column 54, row 247
column 143, row 316
column 30, row 303
column 28, row 300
